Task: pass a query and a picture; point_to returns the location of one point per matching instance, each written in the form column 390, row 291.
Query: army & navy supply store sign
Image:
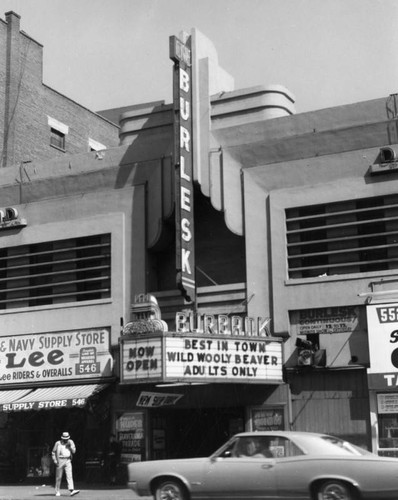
column 174, row 357
column 51, row 359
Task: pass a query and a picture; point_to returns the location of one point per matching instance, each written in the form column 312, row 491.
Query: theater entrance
column 186, row 433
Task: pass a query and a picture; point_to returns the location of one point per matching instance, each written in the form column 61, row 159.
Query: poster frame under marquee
column 162, row 339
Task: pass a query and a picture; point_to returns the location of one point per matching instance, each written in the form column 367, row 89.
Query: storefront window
column 387, row 408
column 39, row 462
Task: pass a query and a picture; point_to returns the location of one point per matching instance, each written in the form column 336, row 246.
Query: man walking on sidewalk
column 62, row 455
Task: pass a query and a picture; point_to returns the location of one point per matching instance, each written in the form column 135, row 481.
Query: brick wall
column 26, row 103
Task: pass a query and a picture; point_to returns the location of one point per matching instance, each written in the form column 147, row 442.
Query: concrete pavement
column 87, row 492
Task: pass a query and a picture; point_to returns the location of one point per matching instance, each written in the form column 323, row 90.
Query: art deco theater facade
column 175, row 273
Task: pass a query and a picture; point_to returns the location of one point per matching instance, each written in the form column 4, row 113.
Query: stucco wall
column 75, row 197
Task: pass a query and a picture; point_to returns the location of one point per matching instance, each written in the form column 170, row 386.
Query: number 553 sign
column 383, row 346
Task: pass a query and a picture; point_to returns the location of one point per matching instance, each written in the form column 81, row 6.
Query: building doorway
column 196, row 432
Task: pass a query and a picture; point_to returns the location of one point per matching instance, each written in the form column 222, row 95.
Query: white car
column 273, row 466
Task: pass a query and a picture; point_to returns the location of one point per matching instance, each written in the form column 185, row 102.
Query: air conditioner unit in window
column 386, row 162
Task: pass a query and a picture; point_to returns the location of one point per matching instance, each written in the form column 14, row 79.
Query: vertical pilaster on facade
column 11, row 87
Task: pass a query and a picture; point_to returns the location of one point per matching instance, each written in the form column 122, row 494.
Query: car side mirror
column 226, row 454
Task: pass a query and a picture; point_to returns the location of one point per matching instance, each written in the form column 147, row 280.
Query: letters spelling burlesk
column 180, row 53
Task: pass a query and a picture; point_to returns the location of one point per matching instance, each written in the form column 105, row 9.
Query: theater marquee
column 170, row 357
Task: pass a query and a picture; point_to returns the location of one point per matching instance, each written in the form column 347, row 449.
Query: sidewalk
column 87, row 492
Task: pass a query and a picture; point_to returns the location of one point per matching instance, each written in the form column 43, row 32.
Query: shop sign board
column 387, row 403
column 148, row 399
column 57, row 356
column 54, row 404
column 180, row 53
column 326, row 320
column 226, row 360
column 383, row 346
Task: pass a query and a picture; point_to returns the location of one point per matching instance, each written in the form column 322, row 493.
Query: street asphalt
column 87, row 492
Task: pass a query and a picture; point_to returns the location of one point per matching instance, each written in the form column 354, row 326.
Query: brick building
column 37, row 122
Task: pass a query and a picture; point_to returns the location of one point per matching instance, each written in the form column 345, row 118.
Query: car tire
column 170, row 490
column 334, row 490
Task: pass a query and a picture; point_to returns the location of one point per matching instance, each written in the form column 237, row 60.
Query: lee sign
column 82, row 354
column 383, row 346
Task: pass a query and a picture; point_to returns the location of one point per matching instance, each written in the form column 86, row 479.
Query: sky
column 113, row 53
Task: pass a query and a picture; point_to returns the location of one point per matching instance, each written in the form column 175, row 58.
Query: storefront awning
column 48, row 398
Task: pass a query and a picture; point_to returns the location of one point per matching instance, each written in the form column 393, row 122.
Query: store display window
column 39, row 462
column 387, row 410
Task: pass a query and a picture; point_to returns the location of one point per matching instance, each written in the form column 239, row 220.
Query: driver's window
column 254, row 447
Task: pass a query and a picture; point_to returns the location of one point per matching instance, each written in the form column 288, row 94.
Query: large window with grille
column 55, row 272
column 355, row 236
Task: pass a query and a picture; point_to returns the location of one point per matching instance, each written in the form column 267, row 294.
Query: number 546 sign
column 88, row 362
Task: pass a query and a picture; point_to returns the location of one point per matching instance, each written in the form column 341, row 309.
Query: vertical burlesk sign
column 180, row 54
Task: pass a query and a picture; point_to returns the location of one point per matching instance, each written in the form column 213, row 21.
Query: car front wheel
column 170, row 490
column 334, row 490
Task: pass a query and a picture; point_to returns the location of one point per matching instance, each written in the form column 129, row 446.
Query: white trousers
column 64, row 464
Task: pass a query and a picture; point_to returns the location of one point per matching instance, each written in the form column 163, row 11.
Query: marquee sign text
column 229, row 360
column 170, row 357
column 141, row 359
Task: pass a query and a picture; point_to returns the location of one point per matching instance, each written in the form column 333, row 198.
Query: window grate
column 355, row 236
column 55, row 272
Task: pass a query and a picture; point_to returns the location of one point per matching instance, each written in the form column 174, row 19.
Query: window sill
column 341, row 277
column 59, row 149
